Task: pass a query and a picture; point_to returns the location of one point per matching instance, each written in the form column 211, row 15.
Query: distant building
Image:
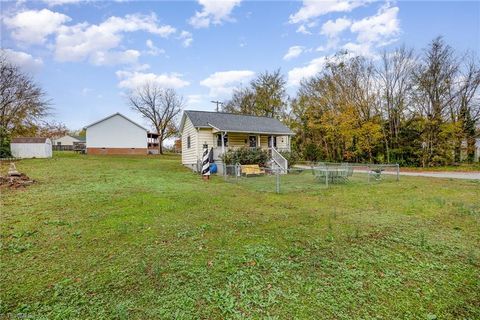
column 117, row 134
column 67, row 142
column 33, row 147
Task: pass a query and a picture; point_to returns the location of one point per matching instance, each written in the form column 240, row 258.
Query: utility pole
column 217, row 102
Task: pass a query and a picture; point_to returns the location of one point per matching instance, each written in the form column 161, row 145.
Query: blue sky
column 87, row 55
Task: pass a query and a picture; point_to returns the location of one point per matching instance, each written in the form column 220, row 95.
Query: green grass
column 142, row 237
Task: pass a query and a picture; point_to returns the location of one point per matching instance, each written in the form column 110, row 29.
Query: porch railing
column 279, row 160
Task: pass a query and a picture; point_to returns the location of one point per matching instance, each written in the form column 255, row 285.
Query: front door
column 272, row 141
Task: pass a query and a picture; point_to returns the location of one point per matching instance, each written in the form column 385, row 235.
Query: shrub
column 246, row 156
column 312, row 152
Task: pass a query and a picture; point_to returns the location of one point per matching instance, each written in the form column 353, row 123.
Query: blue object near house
column 213, row 168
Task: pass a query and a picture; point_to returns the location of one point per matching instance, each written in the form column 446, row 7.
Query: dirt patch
column 16, row 182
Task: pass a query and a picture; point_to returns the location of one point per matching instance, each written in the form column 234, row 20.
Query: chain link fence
column 306, row 177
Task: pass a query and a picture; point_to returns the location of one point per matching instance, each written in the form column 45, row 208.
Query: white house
column 67, row 142
column 31, row 148
column 223, row 131
column 116, row 134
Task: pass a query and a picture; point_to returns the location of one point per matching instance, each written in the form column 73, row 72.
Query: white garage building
column 31, row 147
column 116, row 134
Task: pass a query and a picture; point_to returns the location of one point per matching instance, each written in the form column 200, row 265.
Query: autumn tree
column 161, row 107
column 22, row 103
column 265, row 96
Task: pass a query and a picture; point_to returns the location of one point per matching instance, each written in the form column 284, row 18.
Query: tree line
column 412, row 108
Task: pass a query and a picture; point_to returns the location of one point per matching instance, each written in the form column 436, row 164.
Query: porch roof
column 231, row 122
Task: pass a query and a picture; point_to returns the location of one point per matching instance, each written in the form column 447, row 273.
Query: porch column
column 259, row 142
column 223, row 141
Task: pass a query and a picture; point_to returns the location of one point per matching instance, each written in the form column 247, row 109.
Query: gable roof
column 113, row 115
column 232, row 122
column 79, row 138
column 29, row 140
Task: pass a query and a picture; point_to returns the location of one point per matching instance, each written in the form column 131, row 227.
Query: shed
column 33, row 147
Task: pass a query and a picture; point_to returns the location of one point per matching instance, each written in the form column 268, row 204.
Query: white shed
column 116, row 134
column 31, row 147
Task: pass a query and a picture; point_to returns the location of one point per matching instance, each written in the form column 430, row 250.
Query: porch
column 225, row 141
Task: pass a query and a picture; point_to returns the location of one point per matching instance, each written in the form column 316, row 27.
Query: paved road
column 452, row 175
column 434, row 174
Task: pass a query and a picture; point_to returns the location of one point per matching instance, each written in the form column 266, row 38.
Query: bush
column 4, row 146
column 245, row 156
column 312, row 152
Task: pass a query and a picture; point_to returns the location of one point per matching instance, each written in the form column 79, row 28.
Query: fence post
column 277, row 180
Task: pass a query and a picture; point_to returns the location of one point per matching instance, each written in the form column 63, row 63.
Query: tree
column 160, row 107
column 265, row 96
column 469, row 103
column 242, row 101
column 22, row 102
column 270, row 94
column 434, row 93
column 395, row 83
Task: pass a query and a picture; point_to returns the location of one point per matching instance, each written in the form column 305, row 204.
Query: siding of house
column 189, row 154
column 65, row 141
column 117, row 134
column 205, row 136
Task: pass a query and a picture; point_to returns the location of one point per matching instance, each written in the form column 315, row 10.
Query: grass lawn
column 142, row 237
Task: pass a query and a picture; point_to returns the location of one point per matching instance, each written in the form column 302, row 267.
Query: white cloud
column 152, row 49
column 186, row 38
column 33, row 27
column 222, row 83
column 359, row 49
column 379, row 27
column 312, row 9
column 332, row 28
column 303, row 29
column 134, row 79
column 213, row 12
column 84, row 41
column 195, row 99
column 293, row 52
column 296, row 75
column 110, row 58
column 23, row 60
column 52, row 3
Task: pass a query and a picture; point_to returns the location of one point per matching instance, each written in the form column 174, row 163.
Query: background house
column 67, row 142
column 31, row 147
column 116, row 134
column 224, row 131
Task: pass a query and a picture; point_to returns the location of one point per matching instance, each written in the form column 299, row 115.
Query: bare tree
column 160, row 107
column 242, row 101
column 395, row 82
column 468, row 105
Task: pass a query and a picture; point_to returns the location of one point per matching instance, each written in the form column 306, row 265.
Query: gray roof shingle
column 232, row 122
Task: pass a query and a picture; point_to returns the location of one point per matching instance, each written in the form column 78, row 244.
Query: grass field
column 144, row 238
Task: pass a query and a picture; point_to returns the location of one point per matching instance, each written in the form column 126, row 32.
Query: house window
column 188, row 142
column 270, row 139
column 219, row 140
column 252, row 141
column 59, row 143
